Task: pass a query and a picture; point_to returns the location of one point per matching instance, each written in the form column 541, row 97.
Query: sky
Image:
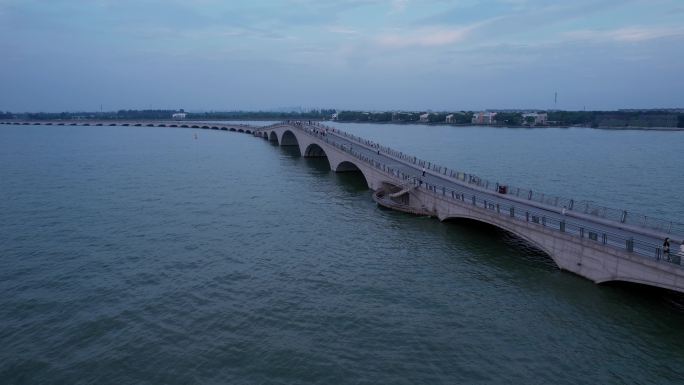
column 203, row 55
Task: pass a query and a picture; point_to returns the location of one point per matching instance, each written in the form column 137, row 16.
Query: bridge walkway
column 440, row 181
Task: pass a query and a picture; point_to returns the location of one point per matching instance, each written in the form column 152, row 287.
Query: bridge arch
column 313, row 150
column 530, row 240
column 638, row 284
column 349, row 166
column 288, row 138
column 273, row 137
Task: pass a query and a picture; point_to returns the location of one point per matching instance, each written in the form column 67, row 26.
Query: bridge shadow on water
column 646, row 294
column 512, row 253
column 495, row 241
column 350, row 181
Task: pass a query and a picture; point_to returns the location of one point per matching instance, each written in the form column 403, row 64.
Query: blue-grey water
column 142, row 255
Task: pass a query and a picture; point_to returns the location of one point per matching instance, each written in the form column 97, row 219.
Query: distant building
column 179, row 116
column 424, row 118
column 333, row 116
column 455, row 118
column 539, row 119
column 484, row 118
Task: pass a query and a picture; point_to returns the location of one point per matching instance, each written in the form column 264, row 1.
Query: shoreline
column 627, row 128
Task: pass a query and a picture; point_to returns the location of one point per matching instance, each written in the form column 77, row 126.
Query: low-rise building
column 179, row 116
column 484, row 118
column 535, row 119
column 424, row 118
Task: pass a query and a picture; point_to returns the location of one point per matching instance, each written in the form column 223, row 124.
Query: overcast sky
column 69, row 55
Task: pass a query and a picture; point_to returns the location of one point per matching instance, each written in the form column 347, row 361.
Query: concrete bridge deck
column 594, row 242
column 243, row 128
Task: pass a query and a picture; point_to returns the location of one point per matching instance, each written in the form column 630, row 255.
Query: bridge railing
column 511, row 211
column 586, row 207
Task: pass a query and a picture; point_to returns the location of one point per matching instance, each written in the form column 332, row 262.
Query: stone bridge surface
column 598, row 248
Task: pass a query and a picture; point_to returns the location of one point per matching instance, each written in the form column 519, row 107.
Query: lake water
column 144, row 255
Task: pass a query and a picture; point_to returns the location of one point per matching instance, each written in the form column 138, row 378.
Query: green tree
column 437, row 118
column 510, row 118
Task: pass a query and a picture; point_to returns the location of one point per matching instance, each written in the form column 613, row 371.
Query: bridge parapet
column 632, row 241
column 629, row 218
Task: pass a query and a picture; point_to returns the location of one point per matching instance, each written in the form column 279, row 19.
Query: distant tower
column 555, row 99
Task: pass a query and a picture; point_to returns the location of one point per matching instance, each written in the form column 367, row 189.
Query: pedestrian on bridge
column 423, row 171
column 666, row 248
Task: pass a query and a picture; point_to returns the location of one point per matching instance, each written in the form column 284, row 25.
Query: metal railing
column 505, row 210
column 583, row 206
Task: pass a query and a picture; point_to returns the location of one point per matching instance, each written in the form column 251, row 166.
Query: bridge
column 595, row 242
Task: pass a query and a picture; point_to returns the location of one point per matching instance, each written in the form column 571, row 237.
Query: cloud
column 343, row 30
column 625, row 35
column 399, row 5
column 424, row 37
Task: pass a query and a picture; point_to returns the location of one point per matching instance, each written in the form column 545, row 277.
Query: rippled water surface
column 143, row 255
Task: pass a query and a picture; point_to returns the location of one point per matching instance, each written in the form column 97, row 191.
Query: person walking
column 666, row 248
column 423, row 171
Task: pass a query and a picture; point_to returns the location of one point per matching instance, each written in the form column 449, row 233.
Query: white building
column 178, row 116
column 424, row 118
column 484, row 118
column 451, row 118
column 539, row 119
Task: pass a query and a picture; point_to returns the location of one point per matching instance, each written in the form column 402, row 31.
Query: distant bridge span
column 590, row 241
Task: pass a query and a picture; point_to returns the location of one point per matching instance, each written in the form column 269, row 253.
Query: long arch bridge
column 598, row 243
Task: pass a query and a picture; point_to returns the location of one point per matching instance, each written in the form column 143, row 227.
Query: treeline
column 320, row 114
column 461, row 117
column 616, row 119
